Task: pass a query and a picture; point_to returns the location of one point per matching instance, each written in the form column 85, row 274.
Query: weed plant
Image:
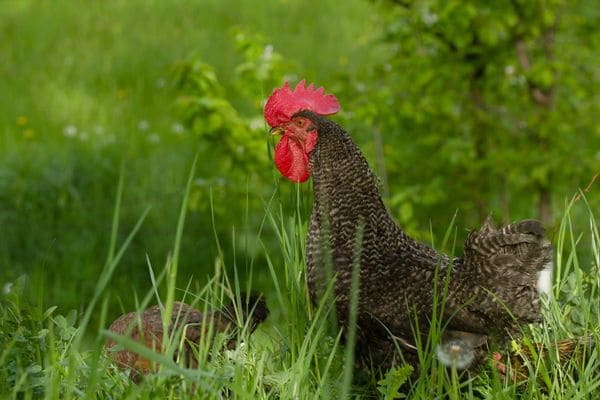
column 298, row 353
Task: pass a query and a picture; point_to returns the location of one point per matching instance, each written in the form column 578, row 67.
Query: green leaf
column 390, row 385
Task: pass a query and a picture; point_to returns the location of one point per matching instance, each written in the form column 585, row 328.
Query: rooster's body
column 501, row 274
column 494, row 286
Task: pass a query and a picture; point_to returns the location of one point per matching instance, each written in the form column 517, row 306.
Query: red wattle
column 291, row 159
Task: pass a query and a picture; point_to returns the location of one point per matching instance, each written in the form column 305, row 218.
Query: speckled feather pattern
column 498, row 273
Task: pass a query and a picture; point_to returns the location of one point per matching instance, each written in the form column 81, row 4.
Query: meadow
column 135, row 168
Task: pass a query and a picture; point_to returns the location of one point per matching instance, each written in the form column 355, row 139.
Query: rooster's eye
column 299, row 122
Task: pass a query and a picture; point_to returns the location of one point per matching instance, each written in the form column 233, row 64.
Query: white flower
column 268, row 52
column 177, row 128
column 143, row 125
column 257, row 123
column 429, row 18
column 7, row 288
column 455, row 353
column 70, row 131
column 153, row 138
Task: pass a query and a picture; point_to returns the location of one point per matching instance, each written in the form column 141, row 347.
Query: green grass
column 85, row 89
column 296, row 353
column 87, row 115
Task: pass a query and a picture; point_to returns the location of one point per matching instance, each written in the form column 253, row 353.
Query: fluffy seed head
column 455, row 353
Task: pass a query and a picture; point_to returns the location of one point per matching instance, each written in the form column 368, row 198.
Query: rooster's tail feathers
column 520, row 246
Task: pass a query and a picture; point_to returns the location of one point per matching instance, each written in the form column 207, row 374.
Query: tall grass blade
column 172, row 275
column 353, row 314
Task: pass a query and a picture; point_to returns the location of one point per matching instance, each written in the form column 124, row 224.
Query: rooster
column 496, row 286
column 147, row 327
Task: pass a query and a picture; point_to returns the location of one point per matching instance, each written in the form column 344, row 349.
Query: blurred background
column 461, row 107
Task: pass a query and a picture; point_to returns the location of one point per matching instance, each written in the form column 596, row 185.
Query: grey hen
column 495, row 286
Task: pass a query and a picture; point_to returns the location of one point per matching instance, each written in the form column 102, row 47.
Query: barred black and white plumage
column 495, row 286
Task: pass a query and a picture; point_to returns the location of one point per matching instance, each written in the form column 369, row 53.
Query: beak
column 278, row 130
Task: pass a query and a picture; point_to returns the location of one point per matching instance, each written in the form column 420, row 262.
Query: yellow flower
column 28, row 133
column 21, row 120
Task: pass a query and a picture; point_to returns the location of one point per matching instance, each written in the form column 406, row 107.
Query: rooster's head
column 298, row 133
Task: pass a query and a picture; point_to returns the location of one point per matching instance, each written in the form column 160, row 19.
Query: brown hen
column 147, row 328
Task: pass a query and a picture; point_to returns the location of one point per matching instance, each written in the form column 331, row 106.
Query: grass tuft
column 296, row 353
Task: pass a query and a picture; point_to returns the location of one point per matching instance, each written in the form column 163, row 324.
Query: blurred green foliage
column 483, row 107
column 459, row 105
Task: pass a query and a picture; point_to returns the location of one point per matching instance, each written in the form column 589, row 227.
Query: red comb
column 285, row 102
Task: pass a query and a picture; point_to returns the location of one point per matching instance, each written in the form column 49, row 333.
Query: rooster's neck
column 342, row 179
column 346, row 194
